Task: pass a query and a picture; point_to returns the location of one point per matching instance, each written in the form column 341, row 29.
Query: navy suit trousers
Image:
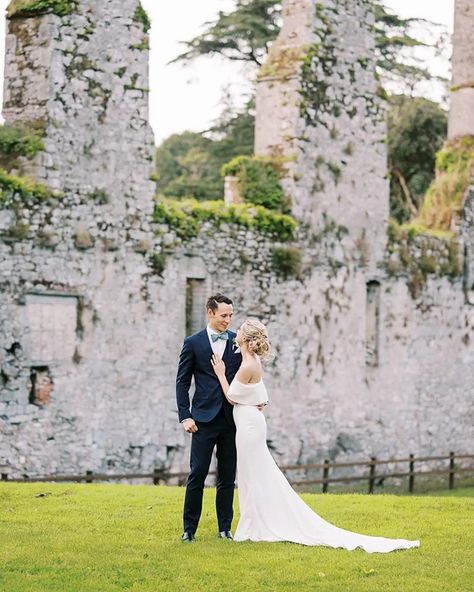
column 219, row 433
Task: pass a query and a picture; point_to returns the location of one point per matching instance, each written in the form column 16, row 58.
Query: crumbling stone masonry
column 372, row 331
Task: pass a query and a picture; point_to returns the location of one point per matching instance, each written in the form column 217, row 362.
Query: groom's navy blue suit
column 213, row 416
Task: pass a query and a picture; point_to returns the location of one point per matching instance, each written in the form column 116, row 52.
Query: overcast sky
column 191, row 97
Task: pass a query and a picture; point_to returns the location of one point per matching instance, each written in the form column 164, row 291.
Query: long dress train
column 270, row 509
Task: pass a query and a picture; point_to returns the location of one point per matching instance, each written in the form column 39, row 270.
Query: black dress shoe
column 226, row 534
column 188, row 537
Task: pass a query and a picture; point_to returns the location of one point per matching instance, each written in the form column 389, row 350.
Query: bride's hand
column 218, row 365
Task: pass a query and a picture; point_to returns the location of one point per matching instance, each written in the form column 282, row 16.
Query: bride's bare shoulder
column 250, row 371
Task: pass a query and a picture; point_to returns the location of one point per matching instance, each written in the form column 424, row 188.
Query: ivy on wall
column 142, row 17
column 286, row 261
column 15, row 190
column 259, row 181
column 185, row 217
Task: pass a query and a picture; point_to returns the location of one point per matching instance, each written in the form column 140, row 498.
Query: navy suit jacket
column 195, row 360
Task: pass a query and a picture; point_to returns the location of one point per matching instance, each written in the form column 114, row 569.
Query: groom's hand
column 190, row 426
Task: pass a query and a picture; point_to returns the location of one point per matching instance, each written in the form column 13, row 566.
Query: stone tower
column 80, row 72
column 461, row 111
column 75, row 306
column 317, row 107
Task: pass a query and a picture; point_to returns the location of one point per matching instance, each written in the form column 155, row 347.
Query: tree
column 189, row 164
column 416, row 131
column 395, row 43
column 243, row 34
column 185, row 167
column 234, row 131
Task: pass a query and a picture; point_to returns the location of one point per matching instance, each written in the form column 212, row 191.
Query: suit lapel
column 205, row 345
column 228, row 346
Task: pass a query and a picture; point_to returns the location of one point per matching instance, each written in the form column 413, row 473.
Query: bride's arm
column 219, row 369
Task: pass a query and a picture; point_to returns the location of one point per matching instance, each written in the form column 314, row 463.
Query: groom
column 209, row 421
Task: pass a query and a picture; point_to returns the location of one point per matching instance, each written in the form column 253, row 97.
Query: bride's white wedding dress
column 270, row 510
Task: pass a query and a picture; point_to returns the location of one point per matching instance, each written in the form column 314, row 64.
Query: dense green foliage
column 443, row 201
column 189, row 164
column 416, row 131
column 187, row 167
column 15, row 189
column 25, row 8
column 259, row 181
column 17, row 140
column 111, row 538
column 186, row 217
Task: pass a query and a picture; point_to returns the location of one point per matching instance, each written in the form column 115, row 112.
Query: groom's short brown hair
column 214, row 301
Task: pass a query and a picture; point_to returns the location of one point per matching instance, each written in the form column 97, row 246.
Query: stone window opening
column 54, row 323
column 41, row 386
column 468, row 277
column 372, row 323
column 195, row 305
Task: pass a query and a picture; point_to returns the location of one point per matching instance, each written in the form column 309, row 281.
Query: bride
column 270, row 510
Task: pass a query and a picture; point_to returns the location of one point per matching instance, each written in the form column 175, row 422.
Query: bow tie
column 216, row 336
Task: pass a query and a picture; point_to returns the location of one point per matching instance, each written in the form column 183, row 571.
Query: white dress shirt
column 218, row 347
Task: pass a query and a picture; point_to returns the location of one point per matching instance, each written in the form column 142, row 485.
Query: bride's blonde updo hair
column 255, row 334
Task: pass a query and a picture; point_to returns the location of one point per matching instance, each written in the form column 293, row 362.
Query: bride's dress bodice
column 248, row 394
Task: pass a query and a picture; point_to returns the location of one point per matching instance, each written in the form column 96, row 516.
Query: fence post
column 411, row 477
column 158, row 475
column 451, row 470
column 372, row 474
column 325, row 475
column 89, row 477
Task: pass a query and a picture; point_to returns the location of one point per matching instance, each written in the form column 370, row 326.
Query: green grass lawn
column 106, row 538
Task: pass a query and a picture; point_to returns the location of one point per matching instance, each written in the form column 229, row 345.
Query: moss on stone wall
column 142, row 17
column 283, row 62
column 28, row 8
column 185, row 217
column 418, row 252
column 320, row 58
column 286, row 261
column 158, row 263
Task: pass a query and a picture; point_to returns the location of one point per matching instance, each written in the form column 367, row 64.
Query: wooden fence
column 372, row 474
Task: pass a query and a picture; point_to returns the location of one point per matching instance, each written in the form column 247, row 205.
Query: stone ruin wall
column 84, row 78
column 368, row 361
column 112, row 404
